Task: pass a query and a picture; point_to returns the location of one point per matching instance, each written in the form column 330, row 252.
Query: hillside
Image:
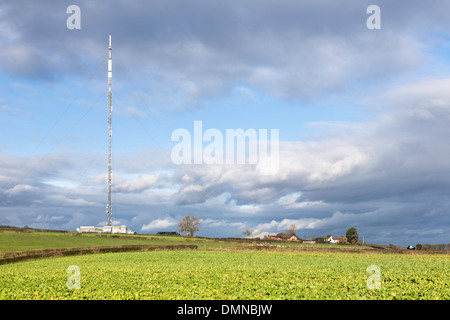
column 21, row 244
column 20, row 239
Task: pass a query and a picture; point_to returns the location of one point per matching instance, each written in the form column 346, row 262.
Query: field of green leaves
column 210, row 274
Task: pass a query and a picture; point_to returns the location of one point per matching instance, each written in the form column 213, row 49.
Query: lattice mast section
column 108, row 208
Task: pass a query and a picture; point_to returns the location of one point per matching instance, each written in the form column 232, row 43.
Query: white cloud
column 6, row 108
column 63, row 200
column 131, row 112
column 283, row 225
column 290, row 201
column 248, row 93
column 19, row 189
column 141, row 183
column 224, row 223
column 41, row 218
column 159, row 224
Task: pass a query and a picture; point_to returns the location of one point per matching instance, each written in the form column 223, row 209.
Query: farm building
column 283, row 236
column 89, row 229
column 106, row 229
column 287, row 236
column 332, row 241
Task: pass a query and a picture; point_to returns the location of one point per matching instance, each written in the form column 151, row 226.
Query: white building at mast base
column 106, row 229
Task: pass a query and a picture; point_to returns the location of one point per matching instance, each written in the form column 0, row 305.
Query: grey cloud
column 26, row 170
column 198, row 49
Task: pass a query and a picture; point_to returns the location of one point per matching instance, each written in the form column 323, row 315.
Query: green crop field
column 213, row 274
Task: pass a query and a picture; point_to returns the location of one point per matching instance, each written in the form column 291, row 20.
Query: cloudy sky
column 363, row 115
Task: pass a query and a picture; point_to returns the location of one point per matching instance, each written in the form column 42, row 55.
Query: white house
column 332, row 241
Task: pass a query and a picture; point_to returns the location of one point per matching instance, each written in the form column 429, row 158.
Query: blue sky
column 362, row 114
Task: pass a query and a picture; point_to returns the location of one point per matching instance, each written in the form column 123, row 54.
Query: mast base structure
column 105, row 229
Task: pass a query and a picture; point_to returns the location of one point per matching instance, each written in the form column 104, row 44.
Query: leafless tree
column 189, row 225
column 292, row 230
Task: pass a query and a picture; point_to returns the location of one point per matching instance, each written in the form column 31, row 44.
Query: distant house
column 332, row 241
column 286, row 236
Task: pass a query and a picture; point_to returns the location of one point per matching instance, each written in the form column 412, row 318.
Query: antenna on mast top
column 108, row 208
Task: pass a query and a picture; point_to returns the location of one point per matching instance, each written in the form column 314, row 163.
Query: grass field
column 211, row 274
column 20, row 241
column 29, row 241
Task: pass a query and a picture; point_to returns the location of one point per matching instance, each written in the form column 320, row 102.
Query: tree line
column 439, row 246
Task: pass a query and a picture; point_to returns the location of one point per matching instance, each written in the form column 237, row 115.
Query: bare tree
column 292, row 230
column 189, row 225
column 247, row 232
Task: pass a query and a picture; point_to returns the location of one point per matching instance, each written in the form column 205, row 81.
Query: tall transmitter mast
column 109, row 228
column 108, row 208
